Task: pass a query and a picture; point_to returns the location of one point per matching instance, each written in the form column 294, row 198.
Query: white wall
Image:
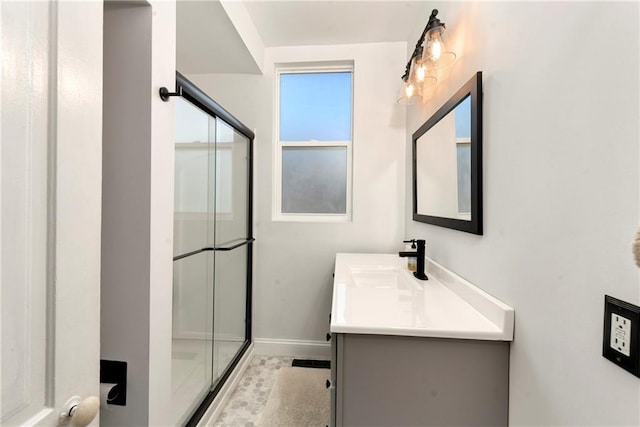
column 163, row 45
column 137, row 227
column 294, row 261
column 561, row 194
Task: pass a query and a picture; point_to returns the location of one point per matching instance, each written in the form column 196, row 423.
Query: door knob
column 79, row 412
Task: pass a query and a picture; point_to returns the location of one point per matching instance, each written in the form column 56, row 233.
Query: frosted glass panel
column 464, row 177
column 315, row 106
column 314, row 180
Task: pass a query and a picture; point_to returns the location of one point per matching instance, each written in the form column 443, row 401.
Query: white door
column 50, row 178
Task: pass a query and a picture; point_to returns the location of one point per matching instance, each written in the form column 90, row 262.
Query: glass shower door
column 232, row 246
column 212, row 251
column 193, row 268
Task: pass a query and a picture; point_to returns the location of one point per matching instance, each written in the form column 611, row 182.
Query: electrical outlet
column 620, row 333
column 621, row 340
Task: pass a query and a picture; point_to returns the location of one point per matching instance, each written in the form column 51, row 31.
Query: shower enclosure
column 212, row 250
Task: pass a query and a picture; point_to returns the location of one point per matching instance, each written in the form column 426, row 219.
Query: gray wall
column 137, row 206
column 561, row 194
column 124, row 321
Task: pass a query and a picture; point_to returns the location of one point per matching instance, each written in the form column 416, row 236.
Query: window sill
column 326, row 218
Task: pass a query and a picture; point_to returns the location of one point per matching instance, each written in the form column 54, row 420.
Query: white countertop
column 376, row 294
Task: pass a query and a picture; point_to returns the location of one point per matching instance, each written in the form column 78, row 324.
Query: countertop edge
column 420, row 333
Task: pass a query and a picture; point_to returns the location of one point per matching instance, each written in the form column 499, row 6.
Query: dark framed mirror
column 447, row 163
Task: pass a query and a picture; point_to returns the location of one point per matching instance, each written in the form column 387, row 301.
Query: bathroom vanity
column 407, row 352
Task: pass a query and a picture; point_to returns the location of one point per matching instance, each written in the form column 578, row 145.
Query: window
column 313, row 144
column 462, row 114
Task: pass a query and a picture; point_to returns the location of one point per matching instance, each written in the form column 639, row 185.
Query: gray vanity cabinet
column 383, row 380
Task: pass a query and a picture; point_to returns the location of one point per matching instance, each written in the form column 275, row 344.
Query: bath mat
column 298, row 398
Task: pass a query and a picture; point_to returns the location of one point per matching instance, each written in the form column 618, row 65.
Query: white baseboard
column 294, row 348
column 215, row 409
column 188, row 335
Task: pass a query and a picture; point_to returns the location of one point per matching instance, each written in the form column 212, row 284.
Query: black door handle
column 328, row 384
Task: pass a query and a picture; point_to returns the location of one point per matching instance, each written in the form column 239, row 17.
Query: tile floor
column 250, row 396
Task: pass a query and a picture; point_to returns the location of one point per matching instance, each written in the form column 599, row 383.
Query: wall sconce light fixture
column 430, row 54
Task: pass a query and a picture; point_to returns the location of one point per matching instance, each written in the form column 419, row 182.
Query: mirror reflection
column 444, row 166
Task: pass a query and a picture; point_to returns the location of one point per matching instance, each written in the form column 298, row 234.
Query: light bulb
column 436, row 50
column 421, row 72
column 409, row 90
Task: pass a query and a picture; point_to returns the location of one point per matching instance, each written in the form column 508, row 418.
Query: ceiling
column 302, row 23
column 208, row 42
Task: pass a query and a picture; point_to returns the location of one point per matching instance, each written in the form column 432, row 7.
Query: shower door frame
column 197, row 97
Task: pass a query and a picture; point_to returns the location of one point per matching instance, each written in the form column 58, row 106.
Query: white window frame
column 277, row 214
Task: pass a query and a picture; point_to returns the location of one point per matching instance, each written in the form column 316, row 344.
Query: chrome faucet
column 419, row 254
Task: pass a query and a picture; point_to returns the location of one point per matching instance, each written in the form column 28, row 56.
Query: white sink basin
column 376, row 294
column 382, row 277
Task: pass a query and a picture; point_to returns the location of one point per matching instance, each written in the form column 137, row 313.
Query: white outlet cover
column 620, row 334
